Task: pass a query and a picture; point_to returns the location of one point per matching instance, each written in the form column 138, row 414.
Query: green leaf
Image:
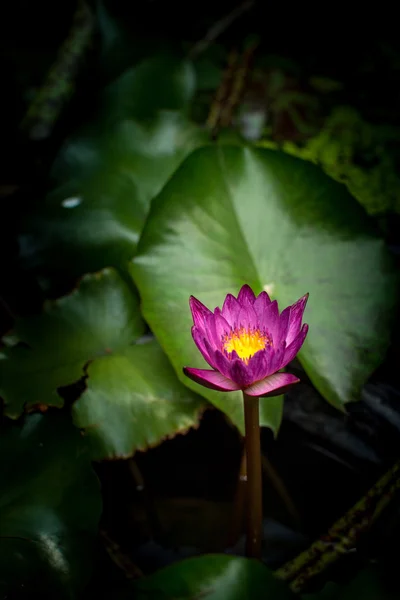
column 159, row 82
column 99, row 317
column 271, row 412
column 233, row 215
column 109, row 172
column 107, row 181
column 50, row 505
column 134, row 400
column 359, row 154
column 368, row 584
column 213, row 577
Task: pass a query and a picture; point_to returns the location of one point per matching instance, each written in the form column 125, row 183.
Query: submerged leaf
column 50, row 505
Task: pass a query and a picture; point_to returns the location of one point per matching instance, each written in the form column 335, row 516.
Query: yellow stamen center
column 245, row 342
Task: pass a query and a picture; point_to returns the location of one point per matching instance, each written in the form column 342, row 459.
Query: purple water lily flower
column 247, row 343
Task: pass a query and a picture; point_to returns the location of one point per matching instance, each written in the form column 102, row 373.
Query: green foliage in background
column 357, row 153
column 50, row 505
column 144, row 209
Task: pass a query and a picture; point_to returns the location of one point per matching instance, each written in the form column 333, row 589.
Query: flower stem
column 254, row 477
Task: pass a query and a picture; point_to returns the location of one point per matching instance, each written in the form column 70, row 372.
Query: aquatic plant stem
column 254, row 476
column 343, row 535
column 53, row 95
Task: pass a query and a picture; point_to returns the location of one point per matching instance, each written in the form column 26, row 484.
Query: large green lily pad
column 107, row 174
column 213, row 577
column 368, row 584
column 134, row 400
column 233, row 215
column 159, row 82
column 106, row 182
column 50, row 505
column 100, row 317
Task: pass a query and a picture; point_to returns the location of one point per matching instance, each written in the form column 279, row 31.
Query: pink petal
column 258, row 364
column 269, row 358
column 274, row 385
column 261, row 303
column 219, row 327
column 284, row 321
column 294, row 347
column 276, row 359
column 240, row 373
column 221, row 363
column 202, row 344
column 214, row 331
column 230, row 309
column 296, row 315
column 199, row 312
column 209, row 333
column 269, row 319
column 265, row 296
column 211, row 379
column 246, row 293
column 247, row 317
